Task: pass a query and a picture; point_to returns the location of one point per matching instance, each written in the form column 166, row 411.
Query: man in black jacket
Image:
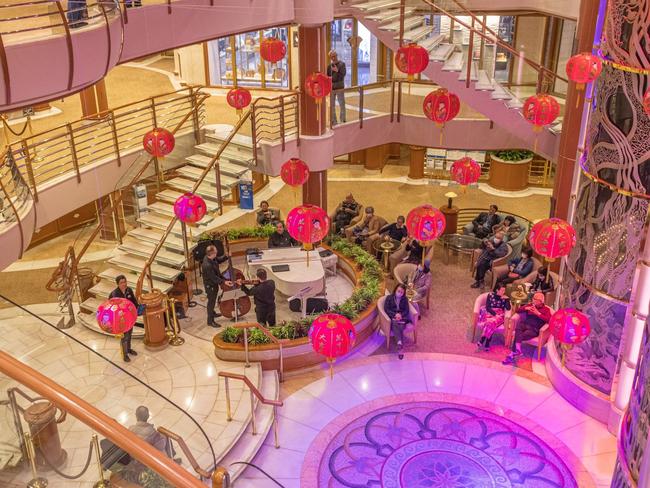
column 212, row 278
column 493, row 248
column 264, row 297
column 336, row 70
column 124, row 291
column 281, row 237
column 483, row 223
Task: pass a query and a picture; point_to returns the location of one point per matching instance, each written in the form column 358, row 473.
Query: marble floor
column 582, row 450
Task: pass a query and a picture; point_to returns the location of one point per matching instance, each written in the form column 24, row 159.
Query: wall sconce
column 450, row 196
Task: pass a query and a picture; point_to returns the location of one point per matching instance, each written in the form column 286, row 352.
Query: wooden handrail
column 251, row 387
column 98, row 421
column 186, row 450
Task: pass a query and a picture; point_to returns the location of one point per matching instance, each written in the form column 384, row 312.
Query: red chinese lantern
column 541, row 110
column 318, row 86
column 552, row 238
column 308, row 224
column 158, row 142
column 569, row 327
column 294, row 172
column 412, row 60
column 425, row 224
column 441, row 106
column 646, row 102
column 190, row 208
column 116, row 316
column 332, row 335
column 583, row 68
column 239, row 98
column 272, row 49
column 465, row 171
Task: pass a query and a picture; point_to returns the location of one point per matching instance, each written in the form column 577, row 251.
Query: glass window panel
column 341, row 33
column 367, row 56
column 220, row 62
column 503, row 58
column 564, row 52
column 277, row 74
column 247, row 48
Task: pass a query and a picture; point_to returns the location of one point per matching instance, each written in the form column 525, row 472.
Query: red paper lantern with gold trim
column 294, row 172
column 465, row 171
column 239, row 98
column 190, row 208
column 441, row 106
column 411, row 59
column 308, row 224
column 583, row 68
column 425, row 223
column 272, row 49
column 541, row 110
column 116, row 315
column 552, row 238
column 158, row 142
column 332, row 335
column 318, row 86
column 569, row 326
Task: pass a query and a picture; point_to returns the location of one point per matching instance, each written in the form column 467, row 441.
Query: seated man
column 493, row 248
column 396, row 231
column 509, row 227
column 414, row 251
column 281, row 237
column 344, row 213
column 481, row 226
column 267, row 215
column 146, row 431
column 520, row 267
column 529, row 320
column 365, row 229
column 420, row 281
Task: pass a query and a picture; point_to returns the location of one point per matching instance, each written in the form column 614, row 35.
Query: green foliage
column 367, row 292
column 262, row 232
column 513, row 154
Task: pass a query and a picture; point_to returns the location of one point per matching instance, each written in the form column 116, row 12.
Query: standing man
column 212, row 278
column 124, row 291
column 263, row 294
column 336, row 70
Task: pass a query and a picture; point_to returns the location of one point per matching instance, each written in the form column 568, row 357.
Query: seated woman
column 396, row 307
column 520, row 267
column 542, row 282
column 492, row 315
column 509, row 227
column 413, row 251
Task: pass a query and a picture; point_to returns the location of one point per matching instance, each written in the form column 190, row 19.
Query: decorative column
column 94, row 99
column 610, row 217
column 416, row 167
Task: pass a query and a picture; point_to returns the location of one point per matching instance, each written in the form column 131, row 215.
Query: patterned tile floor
column 526, row 403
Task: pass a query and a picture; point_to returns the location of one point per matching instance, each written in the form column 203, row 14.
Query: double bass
column 241, row 305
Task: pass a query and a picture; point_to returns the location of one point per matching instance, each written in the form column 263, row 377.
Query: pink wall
column 10, row 237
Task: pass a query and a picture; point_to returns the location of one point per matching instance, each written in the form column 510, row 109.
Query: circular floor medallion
column 437, row 444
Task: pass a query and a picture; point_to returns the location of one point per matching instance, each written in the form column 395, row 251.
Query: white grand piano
column 288, row 267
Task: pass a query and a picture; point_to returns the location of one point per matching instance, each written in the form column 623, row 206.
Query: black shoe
column 476, row 284
column 132, row 352
column 216, row 315
column 400, row 355
column 215, row 325
column 127, row 359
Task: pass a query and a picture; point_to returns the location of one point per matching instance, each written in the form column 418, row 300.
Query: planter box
column 509, row 175
column 298, row 353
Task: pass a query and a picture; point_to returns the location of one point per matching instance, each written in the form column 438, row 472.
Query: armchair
column 501, row 271
column 502, row 261
column 478, row 304
column 379, row 223
column 355, row 220
column 397, row 257
column 401, row 272
column 539, row 341
column 384, row 321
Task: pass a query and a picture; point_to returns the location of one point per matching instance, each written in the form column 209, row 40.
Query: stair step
column 205, row 189
column 167, row 210
column 377, row 5
column 91, row 304
column 194, row 173
column 248, row 444
column 432, row 42
column 136, row 264
column 154, row 235
column 415, row 35
column 484, row 82
column 239, row 142
column 89, row 320
column 499, row 93
column 145, row 249
column 409, row 23
column 454, row 63
column 170, row 196
column 389, row 15
column 442, row 52
column 131, row 279
column 473, row 72
column 514, row 102
column 226, row 166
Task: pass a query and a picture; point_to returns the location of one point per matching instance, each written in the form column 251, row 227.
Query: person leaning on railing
column 77, row 11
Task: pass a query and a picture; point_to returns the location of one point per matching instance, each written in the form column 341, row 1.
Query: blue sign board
column 246, row 194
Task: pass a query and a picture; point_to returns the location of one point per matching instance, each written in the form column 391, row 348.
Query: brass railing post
column 361, row 107
column 253, row 422
column 276, row 435
column 28, row 167
column 217, row 182
column 101, row 483
column 281, row 363
column 36, row 481
column 470, row 56
column 399, row 100
column 392, row 99
column 402, row 12
column 228, row 411
column 73, row 152
column 116, row 142
column 247, row 364
column 282, row 129
column 254, row 133
column 220, row 478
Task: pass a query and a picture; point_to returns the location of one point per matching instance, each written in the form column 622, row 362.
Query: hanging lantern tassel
column 580, row 88
column 318, row 108
column 565, row 348
column 331, row 363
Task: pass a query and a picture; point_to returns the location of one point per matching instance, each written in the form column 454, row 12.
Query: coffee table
column 386, row 246
column 462, row 244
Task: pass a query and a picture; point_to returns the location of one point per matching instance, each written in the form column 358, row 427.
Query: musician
column 267, row 215
column 212, row 278
column 281, row 237
column 124, row 291
column 263, row 294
